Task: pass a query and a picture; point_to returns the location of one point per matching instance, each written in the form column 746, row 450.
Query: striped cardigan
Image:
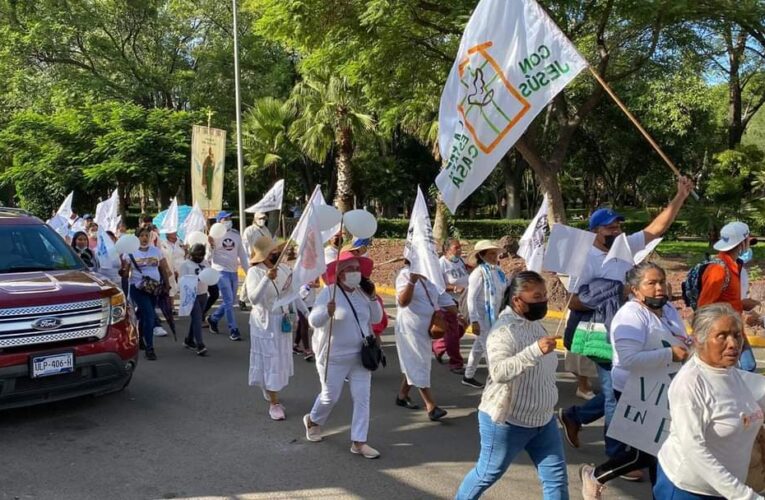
column 521, row 386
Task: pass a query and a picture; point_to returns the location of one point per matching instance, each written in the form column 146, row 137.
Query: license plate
column 53, row 364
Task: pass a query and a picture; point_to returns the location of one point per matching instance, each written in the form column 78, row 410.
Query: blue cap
column 361, row 242
column 87, row 216
column 222, row 215
column 603, row 217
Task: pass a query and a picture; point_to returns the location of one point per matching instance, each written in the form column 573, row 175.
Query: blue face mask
column 746, row 256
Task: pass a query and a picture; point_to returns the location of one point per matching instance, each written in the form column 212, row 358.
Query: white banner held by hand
column 420, row 247
column 532, row 244
column 567, row 250
column 620, row 250
column 187, row 286
column 648, row 250
column 512, row 61
column 271, row 201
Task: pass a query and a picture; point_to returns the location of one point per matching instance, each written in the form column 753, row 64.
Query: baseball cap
column 731, row 235
column 222, row 215
column 87, row 216
column 604, row 217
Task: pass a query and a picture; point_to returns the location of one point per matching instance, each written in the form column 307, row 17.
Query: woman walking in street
column 353, row 311
column 516, row 411
column 417, row 299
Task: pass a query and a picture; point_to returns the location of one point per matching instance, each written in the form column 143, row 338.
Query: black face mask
column 655, row 302
column 273, row 259
column 197, row 259
column 537, row 310
column 609, row 240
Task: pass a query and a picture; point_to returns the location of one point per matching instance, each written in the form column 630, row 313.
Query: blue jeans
column 665, row 490
column 195, row 323
column 145, row 304
column 501, row 443
column 228, row 284
column 602, row 405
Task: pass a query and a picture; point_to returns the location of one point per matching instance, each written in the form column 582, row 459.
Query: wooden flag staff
column 637, row 124
column 332, row 318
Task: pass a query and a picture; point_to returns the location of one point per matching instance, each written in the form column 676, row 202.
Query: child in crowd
column 192, row 266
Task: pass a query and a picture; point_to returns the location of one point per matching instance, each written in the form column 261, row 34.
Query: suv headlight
column 118, row 309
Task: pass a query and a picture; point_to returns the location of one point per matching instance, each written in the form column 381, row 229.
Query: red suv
column 64, row 331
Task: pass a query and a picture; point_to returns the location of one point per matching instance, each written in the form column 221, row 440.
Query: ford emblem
column 49, row 323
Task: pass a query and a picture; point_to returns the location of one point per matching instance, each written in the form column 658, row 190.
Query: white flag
column 648, row 250
column 317, row 198
column 105, row 251
column 512, row 61
column 532, row 245
column 170, row 222
column 310, row 262
column 65, row 210
column 107, row 212
column 567, row 250
column 187, row 285
column 620, row 250
column 271, row 201
column 420, row 249
column 195, row 221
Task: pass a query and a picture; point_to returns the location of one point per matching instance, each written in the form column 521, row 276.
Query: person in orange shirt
column 721, row 281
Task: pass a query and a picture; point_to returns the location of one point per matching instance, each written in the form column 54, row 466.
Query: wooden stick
column 637, row 124
column 563, row 319
column 332, row 318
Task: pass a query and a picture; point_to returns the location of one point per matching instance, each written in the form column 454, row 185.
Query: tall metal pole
column 238, row 97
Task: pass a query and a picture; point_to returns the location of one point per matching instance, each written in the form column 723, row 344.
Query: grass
column 694, row 251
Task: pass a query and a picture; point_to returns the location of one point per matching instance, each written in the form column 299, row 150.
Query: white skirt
column 415, row 357
column 271, row 364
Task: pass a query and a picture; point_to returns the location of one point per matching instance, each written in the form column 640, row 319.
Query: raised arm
column 661, row 223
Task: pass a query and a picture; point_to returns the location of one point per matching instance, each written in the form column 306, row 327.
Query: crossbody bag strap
column 353, row 309
column 137, row 267
column 427, row 294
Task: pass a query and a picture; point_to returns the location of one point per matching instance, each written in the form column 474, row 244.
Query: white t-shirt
column 148, row 264
column 174, row 254
column 227, row 251
column 715, row 420
column 639, row 340
column 415, row 318
column 455, row 274
column 614, row 269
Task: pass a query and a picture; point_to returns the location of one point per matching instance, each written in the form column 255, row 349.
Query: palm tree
column 265, row 132
column 330, row 120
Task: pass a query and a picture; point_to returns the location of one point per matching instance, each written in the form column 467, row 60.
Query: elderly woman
column 647, row 333
column 342, row 318
column 270, row 329
column 486, row 287
column 516, row 410
column 417, row 299
column 716, row 415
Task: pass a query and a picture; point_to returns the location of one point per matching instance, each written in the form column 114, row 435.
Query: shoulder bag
column 372, row 355
column 148, row 284
column 438, row 323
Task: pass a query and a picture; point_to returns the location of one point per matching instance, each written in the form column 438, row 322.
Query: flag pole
column 637, row 124
column 332, row 318
column 238, row 98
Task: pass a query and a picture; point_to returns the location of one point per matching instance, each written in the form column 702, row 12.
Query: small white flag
column 170, row 222
column 420, row 249
column 310, row 263
column 532, row 245
column 620, row 250
column 107, row 212
column 271, row 201
column 567, row 250
column 195, row 221
column 512, row 61
column 105, row 251
column 187, row 286
column 65, row 210
column 648, row 250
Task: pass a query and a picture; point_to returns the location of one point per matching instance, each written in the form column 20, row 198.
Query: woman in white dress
column 270, row 331
column 416, row 300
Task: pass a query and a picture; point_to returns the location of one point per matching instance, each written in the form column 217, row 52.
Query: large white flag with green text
column 512, row 61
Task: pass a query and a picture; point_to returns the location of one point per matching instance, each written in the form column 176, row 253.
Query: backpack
column 692, row 284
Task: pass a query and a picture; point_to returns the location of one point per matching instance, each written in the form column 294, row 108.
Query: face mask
column 352, row 280
column 273, row 259
column 260, row 222
column 610, row 240
column 93, row 235
column 454, row 259
column 228, row 225
column 655, row 302
column 81, row 248
column 197, row 258
column 537, row 310
column 746, row 256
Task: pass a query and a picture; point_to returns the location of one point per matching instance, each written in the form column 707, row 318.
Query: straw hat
column 262, row 248
column 481, row 246
column 365, row 264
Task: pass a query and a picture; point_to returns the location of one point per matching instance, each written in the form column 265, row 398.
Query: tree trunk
column 344, row 194
column 441, row 221
column 513, row 167
column 550, row 183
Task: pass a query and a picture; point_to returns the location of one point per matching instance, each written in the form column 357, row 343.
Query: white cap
column 731, row 235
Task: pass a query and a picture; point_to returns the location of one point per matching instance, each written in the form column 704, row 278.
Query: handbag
column 438, row 322
column 147, row 284
column 591, row 340
column 286, row 325
column 372, row 355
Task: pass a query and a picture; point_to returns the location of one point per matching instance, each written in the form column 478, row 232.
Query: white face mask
column 260, row 222
column 352, row 279
column 228, row 225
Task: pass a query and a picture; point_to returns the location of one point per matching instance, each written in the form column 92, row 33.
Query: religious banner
column 208, row 151
column 187, row 285
column 512, row 61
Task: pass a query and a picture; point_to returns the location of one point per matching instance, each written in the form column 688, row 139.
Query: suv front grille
column 73, row 320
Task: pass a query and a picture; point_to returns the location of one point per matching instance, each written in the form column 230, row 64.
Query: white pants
column 476, row 354
column 361, row 385
column 243, row 293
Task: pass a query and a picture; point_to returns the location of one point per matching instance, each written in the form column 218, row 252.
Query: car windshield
column 35, row 248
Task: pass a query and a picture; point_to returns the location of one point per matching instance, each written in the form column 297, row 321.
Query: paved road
column 191, row 427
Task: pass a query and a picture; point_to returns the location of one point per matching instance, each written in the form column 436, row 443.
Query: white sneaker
column 365, row 451
column 585, row 395
column 160, row 332
column 591, row 488
column 276, row 412
column 312, row 433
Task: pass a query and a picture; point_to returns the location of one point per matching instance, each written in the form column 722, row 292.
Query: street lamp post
column 238, row 97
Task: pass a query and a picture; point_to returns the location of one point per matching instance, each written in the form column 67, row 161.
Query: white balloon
column 218, row 231
column 209, row 276
column 196, row 238
column 327, row 216
column 128, row 243
column 360, row 223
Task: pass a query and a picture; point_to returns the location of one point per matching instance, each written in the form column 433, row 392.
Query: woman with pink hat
column 352, row 301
